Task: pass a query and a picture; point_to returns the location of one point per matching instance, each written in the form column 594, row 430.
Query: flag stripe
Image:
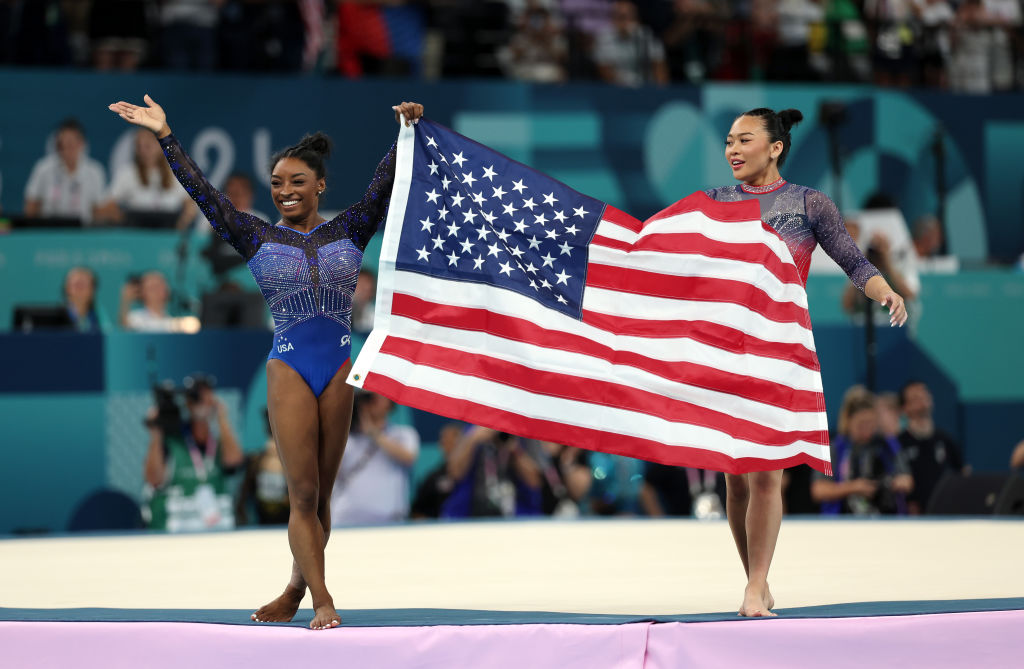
column 586, row 437
column 695, row 288
column 592, row 391
column 692, row 243
column 517, row 340
column 723, row 212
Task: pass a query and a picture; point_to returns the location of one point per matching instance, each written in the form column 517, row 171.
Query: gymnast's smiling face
column 295, row 189
column 749, row 150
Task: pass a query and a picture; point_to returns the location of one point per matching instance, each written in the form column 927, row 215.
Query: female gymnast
column 756, row 148
column 307, row 269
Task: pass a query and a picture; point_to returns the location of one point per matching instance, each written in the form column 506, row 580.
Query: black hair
column 906, row 386
column 71, row 123
column 778, row 125
column 312, row 149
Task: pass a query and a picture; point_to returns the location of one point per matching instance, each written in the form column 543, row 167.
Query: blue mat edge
column 459, row 617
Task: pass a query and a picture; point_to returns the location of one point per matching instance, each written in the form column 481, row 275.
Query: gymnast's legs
column 311, row 433
column 754, row 509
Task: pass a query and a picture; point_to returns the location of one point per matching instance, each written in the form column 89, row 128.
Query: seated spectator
column 888, row 407
column 973, row 45
column 627, row 53
column 264, row 487
column 225, row 262
column 694, row 39
column 930, row 452
column 870, row 473
column 928, row 237
column 566, row 479
column 189, row 33
column 435, row 488
column 934, row 45
column 373, row 481
column 80, row 298
column 494, row 476
column 187, row 465
column 147, row 191
column 67, row 183
column 152, row 316
column 682, row 491
column 537, row 50
column 363, row 301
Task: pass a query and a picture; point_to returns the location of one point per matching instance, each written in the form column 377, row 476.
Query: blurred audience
column 494, row 475
column 695, row 39
column 373, row 481
column 66, row 183
column 870, row 473
column 931, row 453
column 566, row 479
column 617, row 484
column 681, row 491
column 432, row 492
column 119, row 31
column 1017, row 457
column 80, row 285
column 152, row 296
column 264, row 488
column 192, row 451
column 538, row 49
column 363, row 301
column 188, row 33
column 627, row 53
column 146, row 193
column 928, row 237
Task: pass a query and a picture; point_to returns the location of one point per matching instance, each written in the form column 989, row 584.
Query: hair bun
column 317, row 142
column 789, row 118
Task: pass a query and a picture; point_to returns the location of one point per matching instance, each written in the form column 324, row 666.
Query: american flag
column 507, row 299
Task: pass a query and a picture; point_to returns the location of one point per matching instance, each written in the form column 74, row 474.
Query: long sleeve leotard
column 307, row 279
column 805, row 217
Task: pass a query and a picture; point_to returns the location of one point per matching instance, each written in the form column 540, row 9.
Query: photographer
column 494, row 476
column 187, row 464
column 870, row 472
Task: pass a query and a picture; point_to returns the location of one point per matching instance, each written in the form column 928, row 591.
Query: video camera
column 172, row 402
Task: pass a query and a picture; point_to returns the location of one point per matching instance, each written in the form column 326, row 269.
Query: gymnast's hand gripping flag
column 508, row 300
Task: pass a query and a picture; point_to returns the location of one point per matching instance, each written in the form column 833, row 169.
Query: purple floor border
column 986, row 639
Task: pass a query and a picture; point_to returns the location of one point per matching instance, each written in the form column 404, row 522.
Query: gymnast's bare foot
column 325, row 617
column 768, row 599
column 282, row 609
column 755, row 602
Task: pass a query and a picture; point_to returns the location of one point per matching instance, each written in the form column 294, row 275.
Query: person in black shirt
column 930, row 452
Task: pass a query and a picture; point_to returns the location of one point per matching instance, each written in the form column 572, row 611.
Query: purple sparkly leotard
column 804, row 217
column 307, row 278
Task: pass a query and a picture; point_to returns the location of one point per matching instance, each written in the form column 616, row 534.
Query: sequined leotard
column 804, row 217
column 307, row 278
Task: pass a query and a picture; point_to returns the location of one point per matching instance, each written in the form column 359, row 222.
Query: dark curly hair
column 778, row 125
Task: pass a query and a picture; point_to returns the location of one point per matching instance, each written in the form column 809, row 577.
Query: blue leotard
column 307, row 278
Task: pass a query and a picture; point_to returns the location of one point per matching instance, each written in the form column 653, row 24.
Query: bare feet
column 768, row 599
column 282, row 609
column 757, row 602
column 325, row 617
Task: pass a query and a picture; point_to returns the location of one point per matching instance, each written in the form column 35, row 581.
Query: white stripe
column 614, row 231
column 582, row 414
column 687, row 264
column 588, row 367
column 667, row 349
column 731, row 315
column 404, row 152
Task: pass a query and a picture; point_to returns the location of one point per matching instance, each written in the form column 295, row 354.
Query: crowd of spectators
column 974, row 46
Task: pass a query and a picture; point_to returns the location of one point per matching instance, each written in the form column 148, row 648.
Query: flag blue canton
column 476, row 215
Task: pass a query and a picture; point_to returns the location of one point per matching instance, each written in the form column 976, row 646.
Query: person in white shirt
column 373, row 482
column 147, row 186
column 152, row 316
column 66, row 183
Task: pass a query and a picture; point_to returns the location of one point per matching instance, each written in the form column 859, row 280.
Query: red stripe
column 619, row 217
column 583, row 437
column 591, row 391
column 698, row 244
column 724, row 212
column 712, row 334
column 522, row 330
column 700, row 289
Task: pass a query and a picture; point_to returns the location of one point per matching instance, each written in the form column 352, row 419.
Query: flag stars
column 529, row 203
column 516, row 251
column 561, row 299
column 457, row 200
column 580, row 211
column 433, row 167
column 551, row 234
column 520, row 226
column 550, row 199
column 572, row 229
column 563, row 278
column 482, row 232
column 503, row 236
column 518, row 186
column 478, row 262
column 428, row 225
column 442, row 213
column 566, row 249
column 499, row 192
column 468, row 178
column 549, row 260
column 534, row 243
column 488, row 216
column 467, row 246
column 431, row 142
column 423, row 254
column 493, row 250
column 469, row 216
column 433, row 195
column 560, row 217
column 458, row 158
column 531, row 268
column 489, row 173
column 478, row 198
column 453, row 259
column 509, row 208
column 540, row 219
column 446, row 182
column 438, row 242
column 453, row 229
column 506, row 269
